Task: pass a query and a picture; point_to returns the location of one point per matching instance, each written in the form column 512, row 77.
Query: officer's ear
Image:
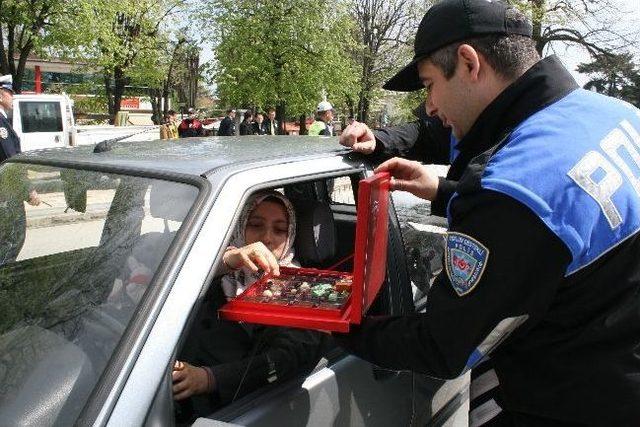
column 469, row 61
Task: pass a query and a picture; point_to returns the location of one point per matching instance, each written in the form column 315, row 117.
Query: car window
column 340, row 191
column 40, row 116
column 423, row 238
column 73, row 270
column 247, row 360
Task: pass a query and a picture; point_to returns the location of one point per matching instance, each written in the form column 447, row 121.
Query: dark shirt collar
column 543, row 84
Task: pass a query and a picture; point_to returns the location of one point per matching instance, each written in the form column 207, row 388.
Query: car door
column 341, row 390
column 423, row 234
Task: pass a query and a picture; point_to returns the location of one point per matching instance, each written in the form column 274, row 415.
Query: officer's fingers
column 397, row 184
column 364, row 147
column 348, row 136
column 397, row 167
column 411, row 186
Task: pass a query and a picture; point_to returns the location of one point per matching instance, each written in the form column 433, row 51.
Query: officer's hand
column 412, row 177
column 359, row 138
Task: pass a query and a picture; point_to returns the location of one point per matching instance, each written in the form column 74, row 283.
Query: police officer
column 541, row 292
column 14, row 180
column 9, row 140
column 323, row 125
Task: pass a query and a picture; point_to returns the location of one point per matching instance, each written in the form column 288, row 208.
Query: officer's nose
column 431, row 109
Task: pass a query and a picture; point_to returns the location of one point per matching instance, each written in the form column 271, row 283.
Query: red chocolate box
column 325, row 299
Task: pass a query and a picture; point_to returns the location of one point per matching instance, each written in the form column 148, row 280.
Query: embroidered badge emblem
column 465, row 260
column 4, row 133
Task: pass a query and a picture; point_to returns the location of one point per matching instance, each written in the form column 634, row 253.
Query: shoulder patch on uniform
column 4, row 133
column 465, row 260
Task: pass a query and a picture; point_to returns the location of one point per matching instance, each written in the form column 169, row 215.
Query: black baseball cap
column 449, row 21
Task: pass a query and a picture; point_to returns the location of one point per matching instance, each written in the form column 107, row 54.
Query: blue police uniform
column 9, row 140
column 541, row 296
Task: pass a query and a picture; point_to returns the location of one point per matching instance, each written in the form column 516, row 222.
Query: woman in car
column 223, row 360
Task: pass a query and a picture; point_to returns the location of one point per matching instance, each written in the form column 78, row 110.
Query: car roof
column 192, row 156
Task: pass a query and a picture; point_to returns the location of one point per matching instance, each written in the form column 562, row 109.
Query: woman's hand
column 189, row 380
column 255, row 256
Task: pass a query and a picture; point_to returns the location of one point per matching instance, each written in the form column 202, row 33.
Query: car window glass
column 73, row 270
column 40, row 116
column 340, row 191
column 423, row 238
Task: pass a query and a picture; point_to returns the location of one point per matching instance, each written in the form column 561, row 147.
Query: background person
column 258, row 128
column 169, row 129
column 9, row 140
column 323, row 125
column 191, row 126
column 541, row 254
column 271, row 125
column 218, row 354
column 228, row 124
column 246, row 127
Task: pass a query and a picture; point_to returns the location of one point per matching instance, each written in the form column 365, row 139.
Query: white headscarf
column 235, row 282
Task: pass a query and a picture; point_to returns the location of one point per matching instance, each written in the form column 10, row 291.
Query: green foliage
column 35, row 26
column 614, row 75
column 406, row 106
column 280, row 53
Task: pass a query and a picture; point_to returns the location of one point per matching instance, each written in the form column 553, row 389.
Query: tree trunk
column 109, row 94
column 303, row 125
column 281, row 116
column 363, row 107
column 156, row 101
column 118, row 90
column 22, row 62
column 536, row 20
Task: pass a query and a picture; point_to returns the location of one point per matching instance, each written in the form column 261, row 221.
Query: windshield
column 78, row 250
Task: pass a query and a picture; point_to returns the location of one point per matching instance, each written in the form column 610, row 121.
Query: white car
column 100, row 283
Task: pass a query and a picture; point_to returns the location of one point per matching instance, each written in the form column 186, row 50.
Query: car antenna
column 108, row 144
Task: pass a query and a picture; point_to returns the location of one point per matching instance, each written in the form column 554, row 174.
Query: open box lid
column 372, row 230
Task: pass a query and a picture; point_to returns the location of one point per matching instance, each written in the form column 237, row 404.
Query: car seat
column 315, row 243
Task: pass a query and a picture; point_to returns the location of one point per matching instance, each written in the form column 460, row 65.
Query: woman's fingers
column 262, row 260
column 246, row 260
column 180, row 386
column 262, row 256
column 182, row 395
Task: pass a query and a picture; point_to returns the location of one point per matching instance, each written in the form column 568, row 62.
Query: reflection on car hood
column 194, row 156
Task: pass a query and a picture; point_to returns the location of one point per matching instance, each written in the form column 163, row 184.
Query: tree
column 614, row 75
column 591, row 24
column 28, row 26
column 384, row 31
column 124, row 35
column 280, row 53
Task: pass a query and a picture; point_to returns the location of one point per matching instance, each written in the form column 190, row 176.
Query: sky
column 629, row 20
column 571, row 56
